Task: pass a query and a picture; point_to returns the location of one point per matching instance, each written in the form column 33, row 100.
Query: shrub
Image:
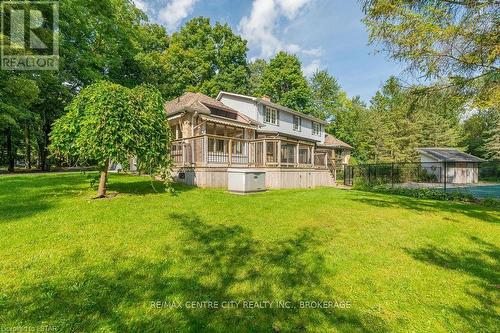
column 419, row 193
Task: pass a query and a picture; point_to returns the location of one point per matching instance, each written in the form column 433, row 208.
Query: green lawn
column 70, row 263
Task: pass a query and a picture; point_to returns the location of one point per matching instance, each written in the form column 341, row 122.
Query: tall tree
column 325, row 95
column 257, row 69
column 99, row 40
column 401, row 121
column 54, row 96
column 205, row 58
column 493, row 142
column 351, row 123
column 17, row 92
column 108, row 122
column 455, row 42
column 284, row 82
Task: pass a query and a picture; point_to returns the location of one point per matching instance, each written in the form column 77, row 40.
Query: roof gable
column 201, row 103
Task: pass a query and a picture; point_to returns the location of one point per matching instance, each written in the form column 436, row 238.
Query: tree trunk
column 46, row 139
column 10, row 153
column 101, row 192
column 27, row 143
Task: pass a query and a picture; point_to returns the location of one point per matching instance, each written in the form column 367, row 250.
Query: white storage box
column 246, row 180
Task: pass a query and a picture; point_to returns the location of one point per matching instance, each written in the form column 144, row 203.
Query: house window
column 316, row 128
column 297, row 123
column 271, row 116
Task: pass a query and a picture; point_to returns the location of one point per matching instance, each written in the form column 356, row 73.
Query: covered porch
column 221, row 151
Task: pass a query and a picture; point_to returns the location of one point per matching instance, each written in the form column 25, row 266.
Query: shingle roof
column 331, row 141
column 201, row 103
column 449, row 155
column 194, row 102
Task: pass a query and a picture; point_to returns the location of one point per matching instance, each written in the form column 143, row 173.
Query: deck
column 220, row 151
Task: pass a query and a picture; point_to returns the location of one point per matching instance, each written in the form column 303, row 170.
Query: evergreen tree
column 493, row 142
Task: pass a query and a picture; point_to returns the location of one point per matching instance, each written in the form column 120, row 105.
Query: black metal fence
column 479, row 179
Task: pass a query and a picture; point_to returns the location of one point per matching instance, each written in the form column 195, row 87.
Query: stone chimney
column 266, row 98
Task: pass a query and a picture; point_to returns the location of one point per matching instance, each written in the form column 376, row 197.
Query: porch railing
column 213, row 150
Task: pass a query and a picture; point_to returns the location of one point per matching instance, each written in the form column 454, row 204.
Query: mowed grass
column 388, row 263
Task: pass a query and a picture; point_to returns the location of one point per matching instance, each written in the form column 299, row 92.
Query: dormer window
column 297, row 123
column 271, row 116
column 316, row 128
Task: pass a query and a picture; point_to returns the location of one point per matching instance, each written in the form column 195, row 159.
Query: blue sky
column 325, row 34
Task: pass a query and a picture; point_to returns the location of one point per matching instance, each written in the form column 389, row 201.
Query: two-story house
column 238, row 131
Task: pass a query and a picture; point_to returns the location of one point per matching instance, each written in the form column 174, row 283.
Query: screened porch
column 223, row 151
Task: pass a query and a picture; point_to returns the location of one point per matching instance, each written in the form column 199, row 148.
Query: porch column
column 279, row 153
column 205, row 151
column 183, row 153
column 193, row 144
column 312, row 156
column 264, row 152
column 230, row 152
column 297, row 154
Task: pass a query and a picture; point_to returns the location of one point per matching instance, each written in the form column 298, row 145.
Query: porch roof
column 287, row 136
column 225, row 121
column 333, row 142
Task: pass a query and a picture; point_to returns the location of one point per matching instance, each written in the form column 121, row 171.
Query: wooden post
column 205, row 150
column 264, row 152
column 230, row 152
column 279, row 153
column 297, row 154
column 193, row 144
column 312, row 156
column 183, row 153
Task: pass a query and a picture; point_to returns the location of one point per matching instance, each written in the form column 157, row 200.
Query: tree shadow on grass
column 476, row 211
column 483, row 265
column 28, row 195
column 210, row 263
column 145, row 187
column 25, row 196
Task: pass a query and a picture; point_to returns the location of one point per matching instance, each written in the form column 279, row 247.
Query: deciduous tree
column 284, row 82
column 108, row 122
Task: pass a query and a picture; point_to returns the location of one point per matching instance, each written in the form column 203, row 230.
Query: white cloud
column 310, row 69
column 292, row 7
column 313, row 52
column 176, row 10
column 259, row 28
column 141, row 5
column 292, row 48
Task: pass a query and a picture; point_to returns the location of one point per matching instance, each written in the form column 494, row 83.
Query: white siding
column 248, row 108
column 285, row 124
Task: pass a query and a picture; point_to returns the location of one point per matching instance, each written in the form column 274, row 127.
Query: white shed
column 459, row 167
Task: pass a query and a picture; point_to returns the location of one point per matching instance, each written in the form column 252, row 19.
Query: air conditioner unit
column 243, row 181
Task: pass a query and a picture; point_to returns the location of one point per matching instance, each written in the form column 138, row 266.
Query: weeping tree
column 108, row 122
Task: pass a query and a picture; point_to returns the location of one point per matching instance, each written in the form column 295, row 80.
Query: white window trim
column 269, row 109
column 314, row 132
column 299, row 127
